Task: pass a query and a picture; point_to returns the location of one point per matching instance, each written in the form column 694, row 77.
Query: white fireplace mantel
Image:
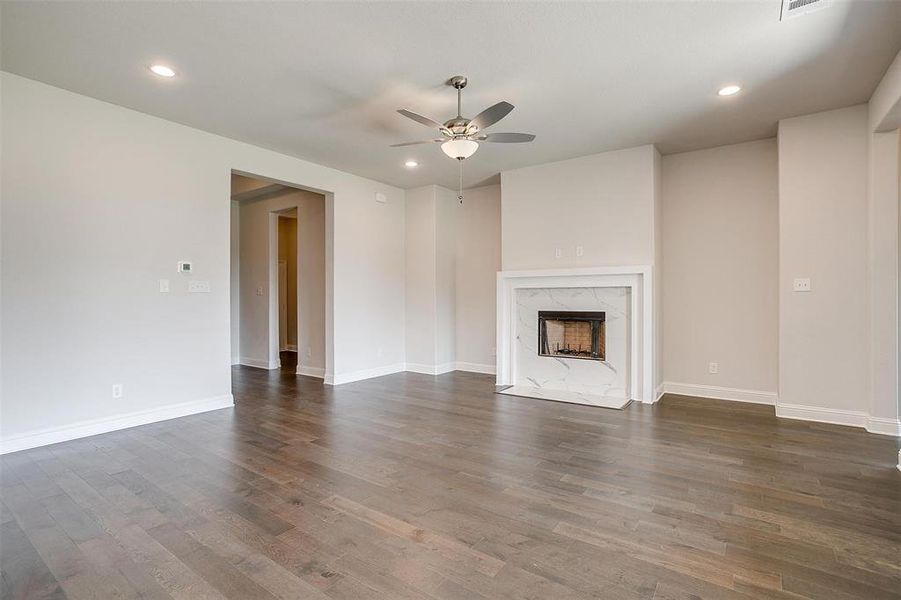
column 637, row 277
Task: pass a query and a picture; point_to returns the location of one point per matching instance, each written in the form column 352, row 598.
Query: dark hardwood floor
column 412, row 486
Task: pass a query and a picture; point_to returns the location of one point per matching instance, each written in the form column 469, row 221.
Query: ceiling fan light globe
column 459, row 149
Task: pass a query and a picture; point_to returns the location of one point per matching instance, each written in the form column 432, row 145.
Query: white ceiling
column 322, row 81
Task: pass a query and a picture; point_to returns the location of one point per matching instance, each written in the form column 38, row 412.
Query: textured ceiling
column 322, row 81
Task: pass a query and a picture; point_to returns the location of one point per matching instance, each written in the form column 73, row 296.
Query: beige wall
column 478, row 261
column 823, row 337
column 446, row 206
column 603, row 202
column 421, row 304
column 720, row 276
column 884, row 195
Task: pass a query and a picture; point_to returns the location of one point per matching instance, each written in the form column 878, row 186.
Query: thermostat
column 184, row 266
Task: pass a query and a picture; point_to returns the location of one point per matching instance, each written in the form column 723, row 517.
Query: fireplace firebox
column 571, row 334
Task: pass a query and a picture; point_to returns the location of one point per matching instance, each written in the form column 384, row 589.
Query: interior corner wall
column 83, row 250
column 446, row 206
column 430, row 235
column 824, row 333
column 421, row 277
column 478, row 261
column 720, row 278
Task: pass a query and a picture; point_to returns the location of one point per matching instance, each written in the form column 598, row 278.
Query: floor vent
column 796, row 8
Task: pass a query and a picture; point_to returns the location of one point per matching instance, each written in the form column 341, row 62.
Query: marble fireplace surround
column 639, row 280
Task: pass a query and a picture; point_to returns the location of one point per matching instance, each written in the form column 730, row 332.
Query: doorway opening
column 278, row 277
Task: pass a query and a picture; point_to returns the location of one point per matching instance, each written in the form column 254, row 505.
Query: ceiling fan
column 459, row 137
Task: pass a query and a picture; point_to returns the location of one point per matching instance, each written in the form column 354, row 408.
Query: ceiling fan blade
column 424, row 120
column 506, row 138
column 417, row 142
column 492, row 115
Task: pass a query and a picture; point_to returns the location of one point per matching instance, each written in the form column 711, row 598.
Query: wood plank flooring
column 412, row 486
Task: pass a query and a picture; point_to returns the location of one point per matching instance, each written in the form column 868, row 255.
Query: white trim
column 638, row 278
column 884, row 426
column 835, row 416
column 54, row 435
column 317, row 372
column 720, row 393
column 430, row 369
column 351, row 376
column 259, row 364
column 289, row 348
column 658, row 392
column 475, row 368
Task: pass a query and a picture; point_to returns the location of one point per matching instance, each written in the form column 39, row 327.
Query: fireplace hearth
column 572, row 334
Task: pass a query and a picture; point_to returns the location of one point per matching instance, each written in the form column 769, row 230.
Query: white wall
column 446, row 206
column 885, row 103
column 235, row 284
column 720, row 278
column 431, row 237
column 478, row 261
column 421, row 303
column 257, row 349
column 884, row 198
column 823, row 336
column 603, row 202
column 83, row 251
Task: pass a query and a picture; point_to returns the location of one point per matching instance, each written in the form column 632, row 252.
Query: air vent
column 796, row 8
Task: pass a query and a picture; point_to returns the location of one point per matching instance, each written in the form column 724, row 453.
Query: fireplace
column 572, row 334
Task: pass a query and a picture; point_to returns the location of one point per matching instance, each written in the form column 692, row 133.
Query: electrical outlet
column 713, row 368
column 494, row 352
column 164, row 286
column 309, row 352
column 117, row 390
column 558, row 253
column 580, row 251
column 199, row 286
column 801, row 284
column 260, row 291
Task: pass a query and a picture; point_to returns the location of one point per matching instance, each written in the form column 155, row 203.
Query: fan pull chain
column 460, row 195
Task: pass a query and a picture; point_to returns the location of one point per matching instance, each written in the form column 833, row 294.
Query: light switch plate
column 199, row 286
column 801, row 284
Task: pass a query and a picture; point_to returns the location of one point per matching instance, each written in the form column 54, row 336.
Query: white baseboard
column 658, row 393
column 884, row 426
column 340, row 378
column 259, row 363
column 43, row 437
column 821, row 414
column 720, row 393
column 476, row 368
column 836, row 416
column 317, row 372
column 430, row 369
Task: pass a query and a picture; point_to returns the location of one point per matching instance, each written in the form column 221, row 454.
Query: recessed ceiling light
column 729, row 90
column 162, row 70
column 411, row 164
